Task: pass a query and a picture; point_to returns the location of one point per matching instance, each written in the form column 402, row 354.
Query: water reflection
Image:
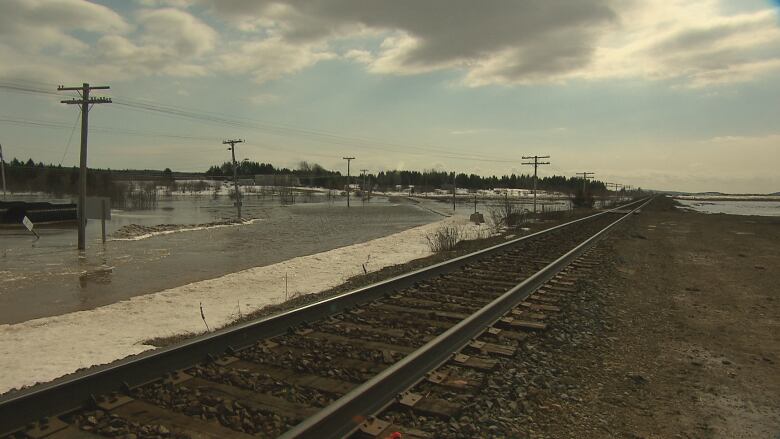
column 49, row 277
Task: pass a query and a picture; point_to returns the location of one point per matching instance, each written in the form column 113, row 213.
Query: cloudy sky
column 664, row 94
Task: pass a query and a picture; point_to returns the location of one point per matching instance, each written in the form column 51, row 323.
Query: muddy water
column 48, row 276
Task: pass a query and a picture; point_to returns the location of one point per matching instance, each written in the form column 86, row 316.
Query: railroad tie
column 426, row 405
column 474, row 362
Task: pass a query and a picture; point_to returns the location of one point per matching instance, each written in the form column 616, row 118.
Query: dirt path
column 688, row 341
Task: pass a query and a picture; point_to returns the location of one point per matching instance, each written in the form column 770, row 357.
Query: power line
column 275, row 128
column 100, row 128
column 72, row 130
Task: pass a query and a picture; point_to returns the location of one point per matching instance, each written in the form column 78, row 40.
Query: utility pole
column 364, row 171
column 2, row 169
column 614, row 187
column 585, row 177
column 535, row 164
column 85, row 103
column 453, row 192
column 349, row 160
column 232, row 149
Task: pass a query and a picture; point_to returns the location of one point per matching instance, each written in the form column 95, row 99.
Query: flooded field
column 48, row 277
column 747, row 207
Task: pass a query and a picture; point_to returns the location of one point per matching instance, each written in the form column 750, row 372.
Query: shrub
column 443, row 239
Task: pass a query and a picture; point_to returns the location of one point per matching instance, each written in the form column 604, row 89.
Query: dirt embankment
column 687, row 342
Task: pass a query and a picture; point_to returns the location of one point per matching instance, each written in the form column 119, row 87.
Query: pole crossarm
column 98, row 100
column 91, row 87
column 86, row 102
column 585, row 177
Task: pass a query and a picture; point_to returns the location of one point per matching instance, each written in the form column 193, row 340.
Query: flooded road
column 48, row 276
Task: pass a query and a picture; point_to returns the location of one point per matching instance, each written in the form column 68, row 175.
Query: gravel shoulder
column 682, row 337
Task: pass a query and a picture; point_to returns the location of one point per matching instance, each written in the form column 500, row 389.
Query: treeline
column 57, row 180
column 38, row 177
column 429, row 180
column 309, row 174
column 423, row 181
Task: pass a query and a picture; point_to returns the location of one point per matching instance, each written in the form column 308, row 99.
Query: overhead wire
column 266, row 127
column 70, row 138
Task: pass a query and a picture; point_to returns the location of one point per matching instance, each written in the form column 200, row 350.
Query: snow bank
column 43, row 349
column 184, row 228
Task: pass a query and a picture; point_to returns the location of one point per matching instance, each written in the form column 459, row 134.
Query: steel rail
column 341, row 418
column 76, row 390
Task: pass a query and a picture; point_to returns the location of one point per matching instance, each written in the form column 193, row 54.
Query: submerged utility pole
column 585, row 177
column 232, row 149
column 349, row 160
column 365, row 196
column 86, row 102
column 364, row 171
column 453, row 191
column 2, row 169
column 535, row 164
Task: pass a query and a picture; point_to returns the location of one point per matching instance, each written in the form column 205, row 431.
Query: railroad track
column 342, row 366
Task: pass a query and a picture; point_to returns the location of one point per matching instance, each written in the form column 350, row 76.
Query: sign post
column 103, row 219
column 2, row 169
column 99, row 208
column 29, row 224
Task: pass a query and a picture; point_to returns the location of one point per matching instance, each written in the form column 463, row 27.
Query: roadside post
column 103, row 220
column 99, row 208
column 2, row 169
column 29, row 224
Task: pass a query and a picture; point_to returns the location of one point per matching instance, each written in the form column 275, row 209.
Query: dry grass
column 444, row 239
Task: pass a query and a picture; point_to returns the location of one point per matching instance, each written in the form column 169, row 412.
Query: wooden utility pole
column 585, row 177
column 363, row 173
column 85, row 103
column 232, row 149
column 2, row 169
column 535, row 164
column 348, row 159
column 453, row 192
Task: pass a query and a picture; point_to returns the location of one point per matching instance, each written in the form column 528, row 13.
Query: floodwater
column 747, row 207
column 47, row 277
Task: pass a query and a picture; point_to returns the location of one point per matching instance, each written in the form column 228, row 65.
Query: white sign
column 27, row 223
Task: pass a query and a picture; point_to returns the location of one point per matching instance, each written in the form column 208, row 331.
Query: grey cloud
column 725, row 50
column 547, row 36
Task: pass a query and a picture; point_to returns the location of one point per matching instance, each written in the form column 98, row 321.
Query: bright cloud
column 690, row 41
column 529, row 41
column 503, row 42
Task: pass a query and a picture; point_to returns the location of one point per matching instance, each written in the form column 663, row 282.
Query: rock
column 636, row 378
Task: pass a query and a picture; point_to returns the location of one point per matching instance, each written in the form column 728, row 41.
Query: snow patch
column 185, row 229
column 43, row 349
